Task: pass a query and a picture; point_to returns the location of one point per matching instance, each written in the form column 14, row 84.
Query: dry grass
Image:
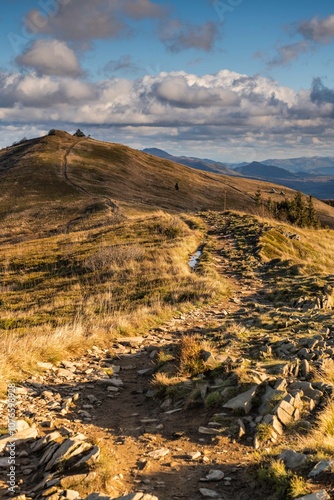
column 326, row 373
column 314, row 253
column 321, row 440
column 61, row 293
column 281, row 483
column 190, row 355
column 298, row 487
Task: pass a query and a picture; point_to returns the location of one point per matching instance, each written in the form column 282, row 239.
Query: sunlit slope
column 60, row 182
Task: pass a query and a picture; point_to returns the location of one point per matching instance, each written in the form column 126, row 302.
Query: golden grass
column 320, row 441
column 190, row 356
column 314, row 253
column 280, row 482
column 63, row 292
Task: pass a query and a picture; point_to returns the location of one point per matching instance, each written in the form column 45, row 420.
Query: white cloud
column 230, row 110
column 50, row 57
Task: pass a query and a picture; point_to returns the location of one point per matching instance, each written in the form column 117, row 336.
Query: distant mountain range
column 256, row 169
column 310, row 175
column 198, row 163
column 319, row 165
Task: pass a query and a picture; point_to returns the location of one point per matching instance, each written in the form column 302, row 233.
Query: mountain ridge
column 317, row 181
column 60, row 181
column 193, row 162
column 258, row 169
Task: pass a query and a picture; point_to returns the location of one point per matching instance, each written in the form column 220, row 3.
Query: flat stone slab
column 156, row 454
column 135, row 496
column 208, row 493
column 115, row 382
column 194, row 455
column 24, row 435
column 208, row 430
column 318, row 495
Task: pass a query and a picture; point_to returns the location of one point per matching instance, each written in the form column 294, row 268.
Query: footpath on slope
column 97, row 423
column 75, row 185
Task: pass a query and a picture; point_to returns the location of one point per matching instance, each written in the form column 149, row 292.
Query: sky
column 230, row 80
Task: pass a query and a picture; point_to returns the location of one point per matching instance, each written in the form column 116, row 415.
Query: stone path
column 103, row 408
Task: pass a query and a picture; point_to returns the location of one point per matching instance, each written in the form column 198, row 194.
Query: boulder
column 214, row 475
column 284, row 405
column 308, row 390
column 292, row 459
column 274, row 422
column 322, row 466
column 270, row 395
column 284, row 417
column 242, row 401
column 304, row 368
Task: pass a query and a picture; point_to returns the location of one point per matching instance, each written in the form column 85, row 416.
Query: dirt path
column 122, row 414
column 74, row 184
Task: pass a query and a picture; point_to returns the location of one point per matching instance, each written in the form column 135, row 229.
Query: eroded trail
column 74, row 184
column 177, row 441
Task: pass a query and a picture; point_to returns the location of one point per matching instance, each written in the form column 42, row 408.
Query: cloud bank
column 233, row 113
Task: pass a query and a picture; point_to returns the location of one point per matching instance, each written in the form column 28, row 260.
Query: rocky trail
column 101, row 423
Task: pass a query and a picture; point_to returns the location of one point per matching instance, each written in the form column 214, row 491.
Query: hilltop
column 60, row 181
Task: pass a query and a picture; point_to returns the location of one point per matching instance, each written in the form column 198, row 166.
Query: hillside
column 231, row 387
column 150, row 340
column 300, row 174
column 313, row 183
column 60, row 183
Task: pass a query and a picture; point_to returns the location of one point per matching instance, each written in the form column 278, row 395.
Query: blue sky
column 232, row 80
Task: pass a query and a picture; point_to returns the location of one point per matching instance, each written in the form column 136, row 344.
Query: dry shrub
column 171, row 228
column 190, row 356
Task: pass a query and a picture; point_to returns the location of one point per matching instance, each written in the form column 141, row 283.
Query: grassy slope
column 59, row 294
column 37, row 198
column 68, row 258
